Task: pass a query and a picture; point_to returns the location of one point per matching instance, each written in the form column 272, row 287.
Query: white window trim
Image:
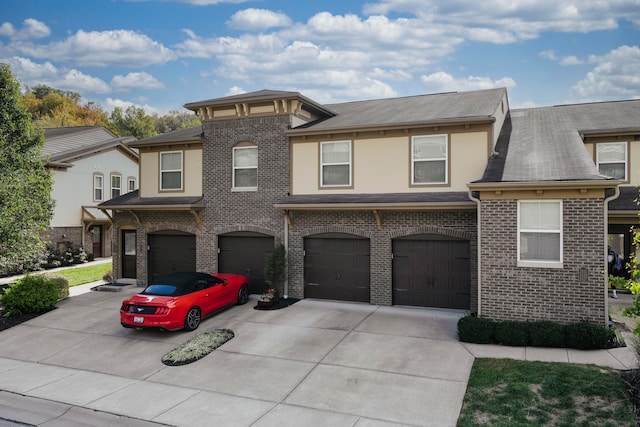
column 181, row 170
column 446, row 160
column 101, row 187
column 129, row 181
column 233, row 172
column 349, row 163
column 540, row 263
column 113, row 175
column 626, row 156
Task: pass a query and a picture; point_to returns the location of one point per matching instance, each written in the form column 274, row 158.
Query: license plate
column 138, row 319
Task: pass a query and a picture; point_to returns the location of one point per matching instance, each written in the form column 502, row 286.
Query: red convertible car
column 181, row 300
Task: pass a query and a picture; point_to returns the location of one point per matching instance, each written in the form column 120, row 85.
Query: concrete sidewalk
column 314, row 363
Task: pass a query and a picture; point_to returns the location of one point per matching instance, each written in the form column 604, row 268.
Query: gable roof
column 63, row 145
column 58, row 140
column 441, row 108
column 545, row 144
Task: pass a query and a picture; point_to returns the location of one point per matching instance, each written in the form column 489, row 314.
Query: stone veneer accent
column 509, row 292
column 394, row 224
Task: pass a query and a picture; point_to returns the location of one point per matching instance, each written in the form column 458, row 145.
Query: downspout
column 606, row 252
column 286, row 256
column 479, row 238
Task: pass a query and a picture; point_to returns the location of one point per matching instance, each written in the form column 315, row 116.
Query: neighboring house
column 446, row 200
column 89, row 165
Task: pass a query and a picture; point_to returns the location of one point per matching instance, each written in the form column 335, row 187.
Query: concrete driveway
column 313, row 363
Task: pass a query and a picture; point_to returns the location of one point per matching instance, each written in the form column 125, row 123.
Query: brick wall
column 394, row 224
column 510, row 292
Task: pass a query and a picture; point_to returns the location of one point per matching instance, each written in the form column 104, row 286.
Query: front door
column 96, row 240
column 129, row 254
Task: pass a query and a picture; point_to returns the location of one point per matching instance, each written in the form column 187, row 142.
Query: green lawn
column 503, row 392
column 81, row 275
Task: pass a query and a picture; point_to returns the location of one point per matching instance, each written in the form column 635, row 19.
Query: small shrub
column 546, row 334
column 476, row 330
column 108, row 276
column 31, row 294
column 588, row 336
column 62, row 284
column 511, row 333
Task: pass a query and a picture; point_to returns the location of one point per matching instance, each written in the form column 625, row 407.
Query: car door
column 213, row 294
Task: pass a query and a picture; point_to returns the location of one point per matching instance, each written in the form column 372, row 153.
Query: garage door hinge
column 391, row 256
column 304, row 253
column 218, row 250
column 148, row 247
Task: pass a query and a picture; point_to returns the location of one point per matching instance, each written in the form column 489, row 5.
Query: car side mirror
column 224, row 281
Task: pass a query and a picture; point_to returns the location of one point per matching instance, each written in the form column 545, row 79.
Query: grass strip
column 81, row 275
column 504, row 392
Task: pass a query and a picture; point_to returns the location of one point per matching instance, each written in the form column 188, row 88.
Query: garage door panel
column 169, row 253
column 337, row 268
column 431, row 272
column 245, row 255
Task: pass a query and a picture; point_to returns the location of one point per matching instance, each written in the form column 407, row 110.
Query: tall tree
column 134, row 122
column 26, row 206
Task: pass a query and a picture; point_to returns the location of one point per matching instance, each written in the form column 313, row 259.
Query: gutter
column 479, row 238
column 605, row 250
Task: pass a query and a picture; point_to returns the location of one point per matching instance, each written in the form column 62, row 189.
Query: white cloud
column 258, row 19
column 571, row 60
column 499, row 20
column 548, row 54
column 77, row 81
column 211, row 2
column 31, row 29
column 235, row 90
column 112, row 103
column 443, row 82
column 104, row 48
column 616, row 76
column 140, row 80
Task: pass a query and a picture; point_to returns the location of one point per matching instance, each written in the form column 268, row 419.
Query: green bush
column 546, row 334
column 511, row 333
column 587, row 336
column 62, row 284
column 31, row 294
column 476, row 330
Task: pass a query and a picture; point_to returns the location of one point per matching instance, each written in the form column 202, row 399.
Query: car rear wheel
column 243, row 295
column 192, row 321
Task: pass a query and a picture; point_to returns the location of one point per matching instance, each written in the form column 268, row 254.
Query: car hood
column 149, row 300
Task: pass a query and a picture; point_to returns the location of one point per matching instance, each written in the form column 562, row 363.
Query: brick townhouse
column 443, row 200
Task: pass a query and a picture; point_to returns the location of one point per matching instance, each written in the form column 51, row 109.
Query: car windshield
column 161, row 290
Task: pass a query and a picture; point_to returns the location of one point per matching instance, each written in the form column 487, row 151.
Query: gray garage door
column 245, row 253
column 171, row 251
column 336, row 266
column 431, row 271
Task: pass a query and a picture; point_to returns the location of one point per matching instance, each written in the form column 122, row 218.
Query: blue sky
column 161, row 54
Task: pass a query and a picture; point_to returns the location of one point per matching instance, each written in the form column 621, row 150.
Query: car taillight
column 125, row 307
column 162, row 310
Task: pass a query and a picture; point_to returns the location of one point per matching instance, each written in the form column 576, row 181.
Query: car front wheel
column 243, row 295
column 192, row 321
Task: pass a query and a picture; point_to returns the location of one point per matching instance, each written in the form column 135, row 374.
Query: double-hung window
column 611, row 158
column 116, row 186
column 429, row 159
column 171, row 170
column 97, row 188
column 245, row 168
column 335, row 164
column 131, row 184
column 540, row 233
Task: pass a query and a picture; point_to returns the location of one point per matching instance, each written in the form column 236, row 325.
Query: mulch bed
column 282, row 303
column 10, row 322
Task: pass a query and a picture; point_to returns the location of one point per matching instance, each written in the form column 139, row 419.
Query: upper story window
column 131, row 184
column 171, row 170
column 97, row 187
column 611, row 159
column 245, row 168
column 116, row 186
column 540, row 233
column 335, row 161
column 429, row 159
